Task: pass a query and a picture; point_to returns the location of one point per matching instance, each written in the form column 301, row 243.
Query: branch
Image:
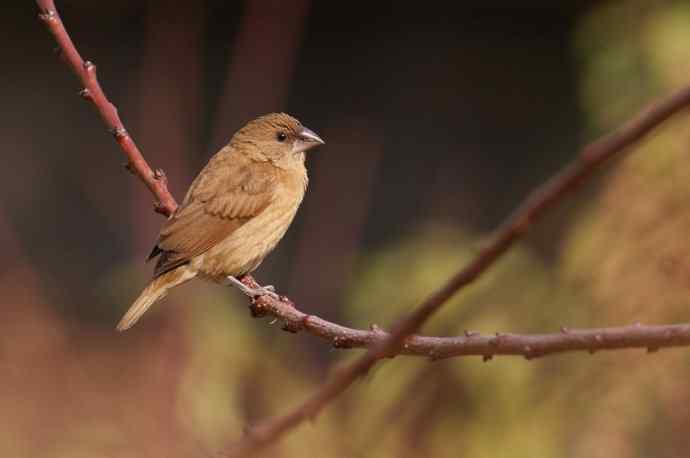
column 86, row 72
column 532, row 208
column 475, row 344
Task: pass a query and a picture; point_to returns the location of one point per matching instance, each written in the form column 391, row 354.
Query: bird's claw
column 268, row 290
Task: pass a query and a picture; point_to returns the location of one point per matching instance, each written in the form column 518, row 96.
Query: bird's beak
column 306, row 140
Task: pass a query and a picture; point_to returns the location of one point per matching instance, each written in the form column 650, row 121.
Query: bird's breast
column 243, row 250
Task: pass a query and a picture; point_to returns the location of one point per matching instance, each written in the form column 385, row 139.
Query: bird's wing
column 226, row 194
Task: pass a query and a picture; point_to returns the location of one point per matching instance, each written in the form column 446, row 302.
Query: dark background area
column 430, row 114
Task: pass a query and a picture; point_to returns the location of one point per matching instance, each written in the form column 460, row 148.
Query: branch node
column 341, row 342
column 159, row 175
column 496, row 341
column 118, row 132
column 291, row 327
column 256, row 310
column 47, row 16
column 305, row 319
column 89, row 67
column 160, row 209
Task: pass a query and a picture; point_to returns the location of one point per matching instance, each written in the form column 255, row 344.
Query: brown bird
column 235, row 212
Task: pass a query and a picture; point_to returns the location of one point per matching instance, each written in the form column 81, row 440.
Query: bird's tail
column 155, row 291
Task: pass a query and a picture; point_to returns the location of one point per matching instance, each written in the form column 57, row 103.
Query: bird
column 235, row 212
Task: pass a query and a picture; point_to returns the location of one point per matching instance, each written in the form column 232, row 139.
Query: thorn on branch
column 160, row 209
column 291, row 327
column 496, row 341
column 47, row 16
column 85, row 94
column 341, row 342
column 256, row 310
column 159, row 174
column 129, row 167
column 118, row 132
column 533, row 353
column 564, row 330
column 90, row 67
column 487, row 358
column 305, row 320
column 471, row 333
column 652, row 349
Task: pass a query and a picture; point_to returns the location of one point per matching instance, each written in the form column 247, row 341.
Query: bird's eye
column 281, row 136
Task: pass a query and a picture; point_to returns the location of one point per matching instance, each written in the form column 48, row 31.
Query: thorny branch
column 532, row 208
column 473, row 343
column 86, row 72
column 400, row 340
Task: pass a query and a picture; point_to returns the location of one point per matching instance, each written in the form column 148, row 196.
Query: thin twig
column 86, row 72
column 533, row 207
column 529, row 346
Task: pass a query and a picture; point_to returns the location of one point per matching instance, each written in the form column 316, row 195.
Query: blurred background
column 437, row 122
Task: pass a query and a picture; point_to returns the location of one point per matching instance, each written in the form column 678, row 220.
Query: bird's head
column 276, row 137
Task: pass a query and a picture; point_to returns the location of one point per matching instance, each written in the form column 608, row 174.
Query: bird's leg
column 251, row 288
